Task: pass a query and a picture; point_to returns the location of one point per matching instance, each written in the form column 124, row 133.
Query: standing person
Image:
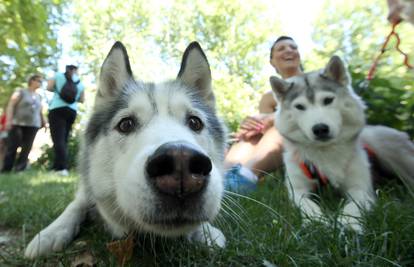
column 62, row 115
column 259, row 149
column 23, row 119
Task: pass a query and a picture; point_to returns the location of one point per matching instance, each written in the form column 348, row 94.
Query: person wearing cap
column 62, row 115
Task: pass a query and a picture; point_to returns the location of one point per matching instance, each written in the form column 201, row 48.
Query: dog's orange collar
column 312, row 173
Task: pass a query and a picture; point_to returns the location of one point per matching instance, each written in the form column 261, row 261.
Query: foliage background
column 356, row 31
column 233, row 34
column 236, row 36
column 28, row 43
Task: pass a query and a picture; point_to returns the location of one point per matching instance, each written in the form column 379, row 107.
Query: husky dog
column 151, row 158
column 323, row 124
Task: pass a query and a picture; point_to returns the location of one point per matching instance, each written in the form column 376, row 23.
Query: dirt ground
column 10, row 243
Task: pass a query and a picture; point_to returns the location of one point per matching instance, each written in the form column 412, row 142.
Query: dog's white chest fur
column 335, row 163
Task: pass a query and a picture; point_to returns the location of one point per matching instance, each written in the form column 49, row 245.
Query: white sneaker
column 63, row 172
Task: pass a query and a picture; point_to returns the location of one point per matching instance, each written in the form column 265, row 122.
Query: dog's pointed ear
column 195, row 72
column 115, row 72
column 336, row 70
column 279, row 86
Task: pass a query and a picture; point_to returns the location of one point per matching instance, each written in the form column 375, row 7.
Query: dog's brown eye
column 300, row 107
column 195, row 123
column 126, row 125
column 328, row 100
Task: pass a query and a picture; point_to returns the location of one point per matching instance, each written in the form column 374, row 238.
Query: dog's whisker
column 273, row 211
column 221, row 222
column 232, row 215
column 153, row 244
column 226, row 208
column 234, row 202
column 225, row 223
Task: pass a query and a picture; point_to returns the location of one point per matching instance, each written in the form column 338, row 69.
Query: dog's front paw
column 307, row 207
column 48, row 240
column 351, row 222
column 208, row 235
column 307, row 220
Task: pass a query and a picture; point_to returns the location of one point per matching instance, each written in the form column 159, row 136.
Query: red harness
column 3, row 122
column 313, row 174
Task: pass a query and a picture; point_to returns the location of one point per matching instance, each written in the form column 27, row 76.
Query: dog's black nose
column 178, row 169
column 321, row 131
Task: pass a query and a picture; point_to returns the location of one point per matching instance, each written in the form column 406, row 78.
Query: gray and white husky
column 151, row 158
column 323, row 124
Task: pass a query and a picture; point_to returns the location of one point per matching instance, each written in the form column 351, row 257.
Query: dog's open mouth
column 173, row 212
column 173, row 223
column 323, row 138
column 177, row 222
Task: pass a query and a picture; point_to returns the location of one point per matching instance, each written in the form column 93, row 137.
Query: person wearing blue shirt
column 62, row 115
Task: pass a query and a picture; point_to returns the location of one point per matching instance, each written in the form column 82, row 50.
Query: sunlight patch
column 53, row 179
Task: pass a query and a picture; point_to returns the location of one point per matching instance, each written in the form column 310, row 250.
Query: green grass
column 264, row 227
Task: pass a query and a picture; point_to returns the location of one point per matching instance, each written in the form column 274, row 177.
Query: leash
column 373, row 68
